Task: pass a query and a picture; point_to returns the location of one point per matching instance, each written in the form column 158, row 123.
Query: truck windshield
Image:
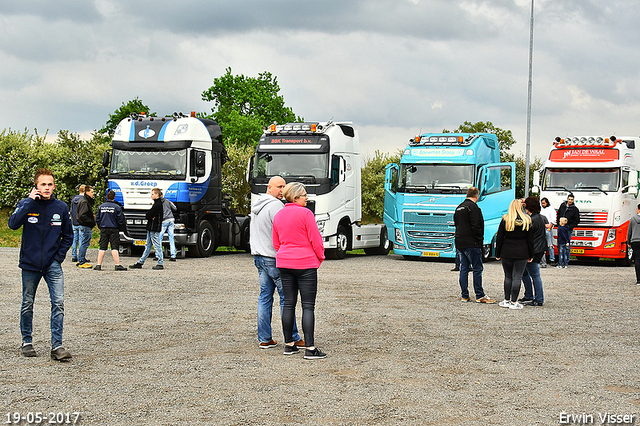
column 581, row 179
column 436, row 178
column 315, row 166
column 155, row 163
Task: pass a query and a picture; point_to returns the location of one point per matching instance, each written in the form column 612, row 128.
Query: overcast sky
column 393, row 67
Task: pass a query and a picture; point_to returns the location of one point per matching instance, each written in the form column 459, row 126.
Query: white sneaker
column 505, row 303
column 565, row 267
column 515, row 306
column 559, row 266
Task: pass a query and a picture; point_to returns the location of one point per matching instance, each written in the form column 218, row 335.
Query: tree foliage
column 373, row 176
column 244, row 105
column 234, row 180
column 74, row 161
column 505, row 137
column 535, row 163
column 135, row 106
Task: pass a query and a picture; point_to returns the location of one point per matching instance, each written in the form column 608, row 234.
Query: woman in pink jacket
column 299, row 253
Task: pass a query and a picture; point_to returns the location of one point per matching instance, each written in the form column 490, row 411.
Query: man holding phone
column 46, row 237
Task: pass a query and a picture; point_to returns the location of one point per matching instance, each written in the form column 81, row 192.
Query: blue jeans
column 304, row 281
column 155, row 239
column 76, row 240
column 84, row 233
column 168, row 228
column 269, row 278
column 533, row 282
column 55, row 281
column 548, row 234
column 564, row 252
column 471, row 257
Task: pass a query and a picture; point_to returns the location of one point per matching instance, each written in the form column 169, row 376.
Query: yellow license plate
column 577, row 251
column 431, row 254
column 139, row 242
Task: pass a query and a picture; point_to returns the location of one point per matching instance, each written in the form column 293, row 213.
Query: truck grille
column 593, row 218
column 136, row 225
column 430, row 230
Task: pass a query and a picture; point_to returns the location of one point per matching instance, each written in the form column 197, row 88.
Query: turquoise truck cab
column 432, row 179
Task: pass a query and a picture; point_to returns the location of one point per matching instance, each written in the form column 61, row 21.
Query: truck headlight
column 399, row 238
column 179, row 226
column 321, row 224
column 611, row 235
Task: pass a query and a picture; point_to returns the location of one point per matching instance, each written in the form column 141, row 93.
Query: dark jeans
column 513, row 269
column 304, row 281
column 636, row 259
column 471, row 257
column 533, row 282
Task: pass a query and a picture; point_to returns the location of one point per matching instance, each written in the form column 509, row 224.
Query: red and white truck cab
column 602, row 174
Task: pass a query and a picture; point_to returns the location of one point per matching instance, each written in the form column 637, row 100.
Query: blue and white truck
column 432, row 179
column 183, row 156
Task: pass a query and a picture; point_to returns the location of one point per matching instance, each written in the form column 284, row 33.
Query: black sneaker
column 28, row 351
column 533, row 303
column 136, row 266
column 60, row 354
column 314, row 354
column 157, row 267
column 74, row 259
column 97, row 268
column 172, row 259
column 456, row 268
column 524, row 299
column 120, row 268
column 290, row 350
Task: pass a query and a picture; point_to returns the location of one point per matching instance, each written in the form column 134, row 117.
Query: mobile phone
column 37, row 195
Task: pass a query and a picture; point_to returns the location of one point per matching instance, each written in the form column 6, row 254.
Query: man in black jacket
column 569, row 210
column 154, row 226
column 86, row 222
column 110, row 220
column 469, row 238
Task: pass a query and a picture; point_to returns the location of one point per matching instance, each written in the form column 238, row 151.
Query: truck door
column 497, row 183
column 390, row 196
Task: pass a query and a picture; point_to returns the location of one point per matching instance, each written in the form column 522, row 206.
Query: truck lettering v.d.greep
column 432, row 179
column 325, row 157
column 183, row 156
column 602, row 175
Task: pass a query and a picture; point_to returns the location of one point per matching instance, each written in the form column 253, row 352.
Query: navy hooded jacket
column 46, row 232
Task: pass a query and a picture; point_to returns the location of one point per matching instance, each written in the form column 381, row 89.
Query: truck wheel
column 384, row 247
column 244, row 237
column 626, row 261
column 343, row 243
column 206, row 242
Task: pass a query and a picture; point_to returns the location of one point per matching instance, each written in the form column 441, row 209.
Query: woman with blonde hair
column 299, row 253
column 514, row 245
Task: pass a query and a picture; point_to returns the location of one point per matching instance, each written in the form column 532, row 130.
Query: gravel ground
column 179, row 346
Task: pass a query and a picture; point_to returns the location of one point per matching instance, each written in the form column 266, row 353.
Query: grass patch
column 11, row 238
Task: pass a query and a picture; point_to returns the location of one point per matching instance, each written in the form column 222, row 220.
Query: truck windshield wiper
column 553, row 188
column 415, row 188
column 593, row 187
column 312, row 177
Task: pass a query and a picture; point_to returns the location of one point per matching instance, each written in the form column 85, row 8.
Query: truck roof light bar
column 585, row 142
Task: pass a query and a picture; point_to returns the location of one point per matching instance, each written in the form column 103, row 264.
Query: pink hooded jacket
column 296, row 238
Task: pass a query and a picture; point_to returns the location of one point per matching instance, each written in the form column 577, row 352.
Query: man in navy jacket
column 46, row 237
column 110, row 221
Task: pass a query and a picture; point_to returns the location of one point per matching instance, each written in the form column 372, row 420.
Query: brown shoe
column 266, row 345
column 300, row 343
column 465, row 299
column 485, row 299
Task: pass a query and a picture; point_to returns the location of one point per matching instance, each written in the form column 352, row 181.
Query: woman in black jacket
column 531, row 277
column 514, row 245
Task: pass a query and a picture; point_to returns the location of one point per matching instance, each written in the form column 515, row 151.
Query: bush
column 373, row 176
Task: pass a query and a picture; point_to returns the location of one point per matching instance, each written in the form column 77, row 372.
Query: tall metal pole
column 526, row 172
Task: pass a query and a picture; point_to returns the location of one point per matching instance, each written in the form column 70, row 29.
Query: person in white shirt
column 550, row 213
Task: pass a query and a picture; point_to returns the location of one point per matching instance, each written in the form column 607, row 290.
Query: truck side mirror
column 343, row 170
column 200, row 163
column 633, row 181
column 105, row 159
column 536, row 178
column 249, row 174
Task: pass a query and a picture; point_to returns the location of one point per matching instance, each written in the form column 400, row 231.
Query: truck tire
column 384, row 247
column 206, row 242
column 342, row 242
column 244, row 236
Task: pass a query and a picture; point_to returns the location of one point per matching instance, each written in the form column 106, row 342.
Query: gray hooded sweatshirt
column 633, row 234
column 263, row 210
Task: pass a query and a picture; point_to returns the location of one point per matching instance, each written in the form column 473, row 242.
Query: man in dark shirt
column 469, row 238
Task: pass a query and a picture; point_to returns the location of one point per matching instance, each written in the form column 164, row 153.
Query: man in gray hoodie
column 633, row 241
column 263, row 210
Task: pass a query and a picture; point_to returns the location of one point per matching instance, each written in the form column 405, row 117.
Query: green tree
column 244, row 105
column 134, row 106
column 505, row 137
column 373, row 176
column 535, row 163
column 234, row 181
